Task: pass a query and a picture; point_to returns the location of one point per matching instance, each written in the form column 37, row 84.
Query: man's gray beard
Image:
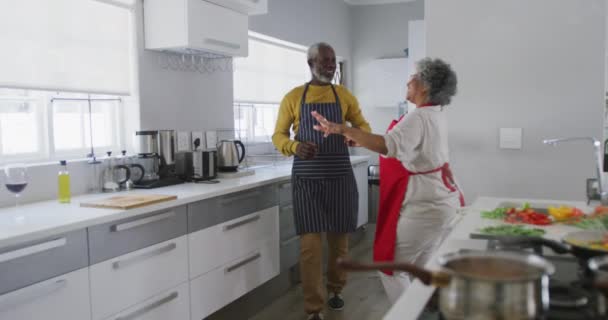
column 321, row 77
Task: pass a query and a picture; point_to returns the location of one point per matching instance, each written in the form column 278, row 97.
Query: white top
column 420, row 142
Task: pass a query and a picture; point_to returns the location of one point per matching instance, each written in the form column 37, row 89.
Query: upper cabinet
column 250, row 7
column 196, row 26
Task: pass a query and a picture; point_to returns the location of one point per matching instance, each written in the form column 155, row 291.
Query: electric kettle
column 228, row 157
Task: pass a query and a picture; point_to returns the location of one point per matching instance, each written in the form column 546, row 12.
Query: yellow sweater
column 289, row 113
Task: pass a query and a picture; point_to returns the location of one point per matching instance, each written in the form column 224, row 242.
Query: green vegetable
column 525, row 206
column 597, row 223
column 513, row 230
column 498, row 213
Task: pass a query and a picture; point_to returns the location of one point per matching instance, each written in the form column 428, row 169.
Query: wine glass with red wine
column 15, row 179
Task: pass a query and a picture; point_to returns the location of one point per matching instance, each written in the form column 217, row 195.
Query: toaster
column 204, row 164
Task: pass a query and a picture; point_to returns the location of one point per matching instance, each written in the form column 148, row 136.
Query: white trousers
column 420, row 230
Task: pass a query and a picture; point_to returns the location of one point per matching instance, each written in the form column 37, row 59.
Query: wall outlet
column 510, row 138
column 201, row 140
column 211, row 139
column 184, row 141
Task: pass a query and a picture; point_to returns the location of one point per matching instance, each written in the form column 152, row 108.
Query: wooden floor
column 363, row 295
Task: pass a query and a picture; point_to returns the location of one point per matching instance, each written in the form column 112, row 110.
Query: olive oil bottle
column 63, row 180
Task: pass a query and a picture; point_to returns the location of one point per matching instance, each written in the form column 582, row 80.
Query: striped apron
column 324, row 188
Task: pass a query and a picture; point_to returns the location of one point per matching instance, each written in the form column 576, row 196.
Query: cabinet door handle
column 242, row 222
column 285, row 186
column 141, row 222
column 31, row 293
column 287, row 207
column 37, row 248
column 149, row 307
column 222, row 43
column 290, row 240
column 227, row 201
column 132, row 260
column 242, row 263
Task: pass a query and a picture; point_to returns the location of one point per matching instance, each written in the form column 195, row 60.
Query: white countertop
column 414, row 299
column 47, row 218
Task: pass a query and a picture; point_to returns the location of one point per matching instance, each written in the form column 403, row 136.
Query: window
column 42, row 125
column 62, row 50
column 272, row 69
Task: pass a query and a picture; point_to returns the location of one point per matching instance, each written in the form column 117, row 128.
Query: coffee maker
column 157, row 155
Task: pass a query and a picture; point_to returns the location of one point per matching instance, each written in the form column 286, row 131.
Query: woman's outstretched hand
column 326, row 126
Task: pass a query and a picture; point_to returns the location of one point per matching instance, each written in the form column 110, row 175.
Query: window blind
column 66, row 45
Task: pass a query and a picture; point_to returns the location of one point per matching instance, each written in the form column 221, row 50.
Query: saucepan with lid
column 482, row 285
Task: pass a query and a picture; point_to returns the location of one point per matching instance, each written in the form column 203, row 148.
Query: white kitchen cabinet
column 195, row 26
column 65, row 297
column 250, row 7
column 360, row 171
column 172, row 304
column 221, row 286
column 217, row 245
column 129, row 279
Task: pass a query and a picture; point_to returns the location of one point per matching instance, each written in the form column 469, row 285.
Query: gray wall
column 379, row 32
column 536, row 65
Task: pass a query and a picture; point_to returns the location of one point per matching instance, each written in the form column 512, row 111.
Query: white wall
column 536, row 65
column 379, row 32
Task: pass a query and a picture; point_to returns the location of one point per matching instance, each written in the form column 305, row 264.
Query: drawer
column 119, row 237
column 126, row 280
column 215, row 289
column 286, row 222
column 215, row 246
column 65, row 297
column 172, row 304
column 290, row 253
column 40, row 260
column 213, row 211
column 285, row 195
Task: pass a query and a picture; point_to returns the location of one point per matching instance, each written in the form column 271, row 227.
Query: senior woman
column 429, row 197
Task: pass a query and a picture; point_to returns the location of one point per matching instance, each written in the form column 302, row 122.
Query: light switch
column 510, row 138
column 184, row 141
column 211, row 139
column 201, row 140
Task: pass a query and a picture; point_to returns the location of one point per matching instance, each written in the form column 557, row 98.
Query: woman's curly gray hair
column 439, row 78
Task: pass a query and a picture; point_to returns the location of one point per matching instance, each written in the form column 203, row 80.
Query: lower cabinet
column 171, row 304
column 360, row 171
column 65, row 297
column 221, row 286
column 127, row 280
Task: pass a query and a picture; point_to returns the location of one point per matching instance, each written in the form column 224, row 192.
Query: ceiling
column 370, row 2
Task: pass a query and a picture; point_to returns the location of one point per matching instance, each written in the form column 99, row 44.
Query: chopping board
column 128, row 201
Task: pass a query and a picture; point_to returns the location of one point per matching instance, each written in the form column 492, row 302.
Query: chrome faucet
column 603, row 195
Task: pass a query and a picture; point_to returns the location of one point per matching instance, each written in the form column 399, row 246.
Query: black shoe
column 336, row 302
column 315, row 316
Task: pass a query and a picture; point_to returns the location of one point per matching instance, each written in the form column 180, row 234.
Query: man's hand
column 306, row 150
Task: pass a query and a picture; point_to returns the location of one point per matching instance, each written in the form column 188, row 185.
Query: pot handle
column 240, row 144
column 438, row 279
column 127, row 175
column 537, row 241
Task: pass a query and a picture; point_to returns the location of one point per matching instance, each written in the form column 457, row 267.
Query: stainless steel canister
column 148, row 142
column 166, row 146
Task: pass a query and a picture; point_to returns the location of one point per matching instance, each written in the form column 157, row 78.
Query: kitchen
column 536, row 67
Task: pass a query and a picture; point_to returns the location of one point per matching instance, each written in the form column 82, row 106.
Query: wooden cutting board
column 128, row 201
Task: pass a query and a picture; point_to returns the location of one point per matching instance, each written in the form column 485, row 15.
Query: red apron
column 394, row 178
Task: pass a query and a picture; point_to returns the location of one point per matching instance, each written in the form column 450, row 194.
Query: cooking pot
column 483, row 285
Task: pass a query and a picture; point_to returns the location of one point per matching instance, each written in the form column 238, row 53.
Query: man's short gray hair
column 313, row 51
column 439, row 78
